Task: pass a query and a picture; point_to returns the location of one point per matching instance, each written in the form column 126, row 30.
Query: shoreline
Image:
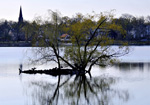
column 28, row 44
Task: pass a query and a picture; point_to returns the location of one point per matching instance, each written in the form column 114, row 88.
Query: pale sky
column 9, row 9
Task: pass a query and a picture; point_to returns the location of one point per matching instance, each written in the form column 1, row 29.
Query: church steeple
column 20, row 19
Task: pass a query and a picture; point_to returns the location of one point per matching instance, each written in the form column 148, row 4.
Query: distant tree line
column 127, row 28
column 137, row 28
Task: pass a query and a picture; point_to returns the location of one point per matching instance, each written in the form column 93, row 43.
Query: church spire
column 20, row 19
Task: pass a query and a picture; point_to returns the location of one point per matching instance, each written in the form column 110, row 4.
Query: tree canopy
column 91, row 41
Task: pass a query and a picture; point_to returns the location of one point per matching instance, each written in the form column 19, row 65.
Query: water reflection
column 76, row 90
column 133, row 66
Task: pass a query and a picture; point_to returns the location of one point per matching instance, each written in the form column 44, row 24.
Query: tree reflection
column 77, row 90
column 126, row 66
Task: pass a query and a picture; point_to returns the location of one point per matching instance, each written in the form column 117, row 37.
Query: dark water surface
column 127, row 83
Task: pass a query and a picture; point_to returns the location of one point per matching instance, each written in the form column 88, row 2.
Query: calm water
column 127, row 83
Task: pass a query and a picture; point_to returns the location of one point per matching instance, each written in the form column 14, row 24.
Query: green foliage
column 86, row 42
column 91, row 39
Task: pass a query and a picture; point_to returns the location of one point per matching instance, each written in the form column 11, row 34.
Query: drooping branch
column 55, row 50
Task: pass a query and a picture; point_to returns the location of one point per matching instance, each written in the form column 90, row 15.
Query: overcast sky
column 9, row 9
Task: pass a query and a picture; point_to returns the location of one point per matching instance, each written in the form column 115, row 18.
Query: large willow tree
column 91, row 41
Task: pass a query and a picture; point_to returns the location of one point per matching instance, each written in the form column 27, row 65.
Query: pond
column 126, row 83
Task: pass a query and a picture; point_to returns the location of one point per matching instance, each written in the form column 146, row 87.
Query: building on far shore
column 65, row 38
column 20, row 19
column 20, row 35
